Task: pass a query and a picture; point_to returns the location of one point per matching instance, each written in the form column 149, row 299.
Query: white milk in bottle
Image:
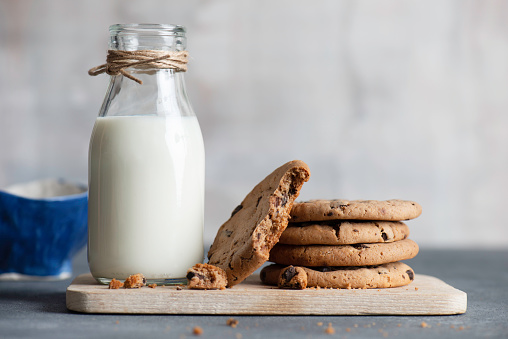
column 146, row 169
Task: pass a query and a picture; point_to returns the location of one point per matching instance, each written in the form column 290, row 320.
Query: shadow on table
column 52, row 302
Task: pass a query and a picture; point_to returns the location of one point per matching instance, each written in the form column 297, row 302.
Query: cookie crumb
column 424, row 324
column 319, row 323
column 179, row 288
column 461, row 328
column 399, row 325
column 348, row 329
column 452, row 326
column 330, row 329
column 238, row 336
column 152, row 285
column 135, row 281
column 197, row 330
column 232, row 322
column 302, row 328
column 355, row 325
column 117, row 322
column 115, row 284
column 416, row 288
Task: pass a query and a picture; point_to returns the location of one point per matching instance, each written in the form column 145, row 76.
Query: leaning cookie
column 344, row 255
column 389, row 210
column 383, row 276
column 206, row 277
column 243, row 243
column 338, row 232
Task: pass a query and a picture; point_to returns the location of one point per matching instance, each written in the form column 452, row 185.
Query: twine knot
column 118, row 61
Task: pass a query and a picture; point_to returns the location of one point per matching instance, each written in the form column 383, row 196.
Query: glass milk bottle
column 146, row 165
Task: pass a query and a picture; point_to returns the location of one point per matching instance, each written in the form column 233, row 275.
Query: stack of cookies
column 344, row 244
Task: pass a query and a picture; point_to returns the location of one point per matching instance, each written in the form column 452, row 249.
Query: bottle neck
column 162, row 91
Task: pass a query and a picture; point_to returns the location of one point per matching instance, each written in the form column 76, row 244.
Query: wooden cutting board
column 426, row 295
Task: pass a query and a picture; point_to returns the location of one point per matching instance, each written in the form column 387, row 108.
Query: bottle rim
column 147, row 29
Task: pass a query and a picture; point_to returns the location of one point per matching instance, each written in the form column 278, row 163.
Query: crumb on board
column 232, row 322
column 115, row 284
column 152, row 285
column 197, row 330
column 424, row 324
column 135, row 281
column 319, row 323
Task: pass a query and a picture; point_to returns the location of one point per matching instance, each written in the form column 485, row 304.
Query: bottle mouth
column 147, row 36
column 147, row 29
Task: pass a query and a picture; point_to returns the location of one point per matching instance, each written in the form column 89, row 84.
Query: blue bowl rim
column 57, row 198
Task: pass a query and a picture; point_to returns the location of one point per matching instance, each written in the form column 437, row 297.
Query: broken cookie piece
column 206, row 277
column 135, row 281
column 293, row 277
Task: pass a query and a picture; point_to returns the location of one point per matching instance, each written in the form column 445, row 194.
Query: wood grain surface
column 426, row 295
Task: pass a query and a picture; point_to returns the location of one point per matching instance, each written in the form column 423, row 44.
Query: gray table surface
column 37, row 309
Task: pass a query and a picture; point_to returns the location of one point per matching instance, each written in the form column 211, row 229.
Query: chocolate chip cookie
column 337, row 232
column 389, row 210
column 343, row 255
column 382, row 276
column 243, row 243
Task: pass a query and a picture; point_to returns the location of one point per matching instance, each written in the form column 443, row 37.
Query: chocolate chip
column 289, row 273
column 355, row 230
column 360, row 246
column 228, row 233
column 336, row 229
column 257, row 203
column 410, row 274
column 284, row 200
column 190, row 275
column 329, row 214
column 292, row 190
column 238, row 208
column 384, row 236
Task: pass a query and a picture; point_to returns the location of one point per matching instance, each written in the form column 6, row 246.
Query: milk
column 146, row 197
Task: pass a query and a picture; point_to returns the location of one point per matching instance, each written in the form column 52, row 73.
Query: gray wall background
column 383, row 99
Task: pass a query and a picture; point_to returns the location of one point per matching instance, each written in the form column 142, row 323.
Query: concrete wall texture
column 392, row 99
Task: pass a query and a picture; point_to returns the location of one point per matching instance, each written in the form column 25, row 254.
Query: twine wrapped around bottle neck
column 118, row 61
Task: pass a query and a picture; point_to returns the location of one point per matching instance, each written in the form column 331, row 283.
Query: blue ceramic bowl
column 43, row 224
